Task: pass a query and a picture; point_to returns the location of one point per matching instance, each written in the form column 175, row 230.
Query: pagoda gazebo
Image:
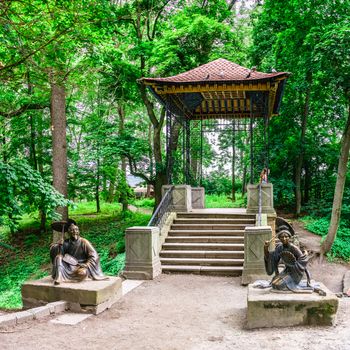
column 217, row 94
column 182, row 236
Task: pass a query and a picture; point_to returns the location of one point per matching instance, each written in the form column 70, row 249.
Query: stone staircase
column 206, row 243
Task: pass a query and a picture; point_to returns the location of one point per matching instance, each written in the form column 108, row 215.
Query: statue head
column 73, row 231
column 284, row 236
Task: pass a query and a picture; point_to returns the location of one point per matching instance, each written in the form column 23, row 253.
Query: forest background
column 74, row 121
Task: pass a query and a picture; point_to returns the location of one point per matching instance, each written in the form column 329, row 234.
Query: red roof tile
column 218, row 70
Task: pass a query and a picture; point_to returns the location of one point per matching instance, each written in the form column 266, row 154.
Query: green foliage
column 30, row 260
column 218, row 183
column 23, row 190
column 341, row 245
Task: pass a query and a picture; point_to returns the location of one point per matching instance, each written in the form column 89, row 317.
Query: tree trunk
column 97, row 187
column 111, row 188
column 307, row 186
column 59, row 143
column 124, row 198
column 339, row 189
column 300, row 157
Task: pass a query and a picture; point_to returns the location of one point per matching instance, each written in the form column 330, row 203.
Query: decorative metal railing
column 163, row 210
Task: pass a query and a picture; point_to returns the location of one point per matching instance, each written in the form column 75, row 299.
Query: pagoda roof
column 219, row 70
column 220, row 88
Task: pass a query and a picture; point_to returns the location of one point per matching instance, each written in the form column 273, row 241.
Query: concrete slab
column 70, row 319
column 7, row 320
column 267, row 309
column 129, row 285
column 88, row 292
column 24, row 316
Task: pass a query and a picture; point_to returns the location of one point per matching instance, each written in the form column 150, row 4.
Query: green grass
column 30, row 260
column 144, row 203
column 223, row 201
column 341, row 246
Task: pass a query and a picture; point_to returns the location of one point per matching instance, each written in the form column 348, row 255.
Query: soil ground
column 176, row 312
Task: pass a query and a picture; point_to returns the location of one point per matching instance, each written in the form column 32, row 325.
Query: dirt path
column 188, row 312
column 176, row 312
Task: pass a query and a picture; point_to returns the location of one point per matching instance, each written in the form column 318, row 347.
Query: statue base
column 87, row 296
column 267, row 309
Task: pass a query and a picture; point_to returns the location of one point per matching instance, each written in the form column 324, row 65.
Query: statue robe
column 292, row 274
column 64, row 268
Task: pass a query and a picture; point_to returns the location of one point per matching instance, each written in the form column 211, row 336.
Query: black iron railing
column 163, row 210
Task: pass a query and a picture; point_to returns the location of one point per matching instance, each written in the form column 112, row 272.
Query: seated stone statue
column 295, row 264
column 74, row 259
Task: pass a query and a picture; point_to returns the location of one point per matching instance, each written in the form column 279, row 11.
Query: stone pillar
column 266, row 199
column 254, row 266
column 198, row 197
column 142, row 257
column 182, row 199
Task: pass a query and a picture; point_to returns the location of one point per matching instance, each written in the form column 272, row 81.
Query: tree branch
column 23, row 59
column 21, row 110
column 231, row 4
column 134, row 172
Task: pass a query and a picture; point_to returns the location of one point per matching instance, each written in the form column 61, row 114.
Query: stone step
column 202, row 261
column 210, row 254
column 204, row 270
column 206, row 233
column 248, row 222
column 215, row 215
column 207, row 227
column 203, row 246
column 205, row 239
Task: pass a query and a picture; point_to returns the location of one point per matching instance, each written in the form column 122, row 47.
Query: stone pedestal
column 89, row 296
column 182, row 197
column 268, row 309
column 142, row 257
column 254, row 266
column 198, row 197
column 266, row 199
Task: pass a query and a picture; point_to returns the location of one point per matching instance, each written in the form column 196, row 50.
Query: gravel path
column 177, row 312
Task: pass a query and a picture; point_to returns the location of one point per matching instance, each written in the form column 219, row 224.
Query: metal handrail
column 163, row 209
column 260, row 209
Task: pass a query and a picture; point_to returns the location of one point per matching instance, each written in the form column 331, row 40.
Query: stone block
column 181, row 197
column 87, row 292
column 24, row 316
column 266, row 199
column 198, row 197
column 7, row 320
column 254, row 266
column 40, row 311
column 142, row 253
column 58, row 306
column 284, row 309
column 96, row 309
column 346, row 283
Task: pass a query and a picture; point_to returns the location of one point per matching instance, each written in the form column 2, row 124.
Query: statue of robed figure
column 295, row 265
column 73, row 259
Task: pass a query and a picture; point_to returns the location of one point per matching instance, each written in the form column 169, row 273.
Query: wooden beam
column 173, row 89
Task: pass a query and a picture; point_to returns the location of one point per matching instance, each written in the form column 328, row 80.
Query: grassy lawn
column 223, row 201
column 30, row 259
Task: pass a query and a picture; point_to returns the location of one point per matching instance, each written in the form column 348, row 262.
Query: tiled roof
column 218, row 70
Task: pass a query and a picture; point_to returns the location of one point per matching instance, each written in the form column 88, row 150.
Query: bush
column 341, row 245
